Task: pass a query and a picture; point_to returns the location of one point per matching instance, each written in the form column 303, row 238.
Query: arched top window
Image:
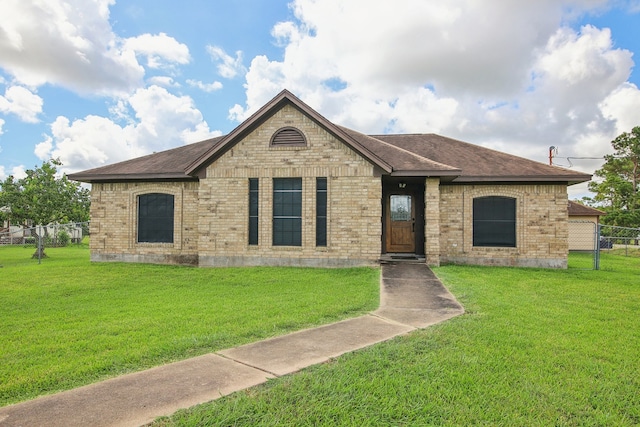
column 494, row 221
column 288, row 137
column 155, row 218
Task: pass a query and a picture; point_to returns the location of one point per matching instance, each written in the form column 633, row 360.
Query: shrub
column 63, row 238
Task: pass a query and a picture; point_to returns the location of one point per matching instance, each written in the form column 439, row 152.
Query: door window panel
column 400, row 208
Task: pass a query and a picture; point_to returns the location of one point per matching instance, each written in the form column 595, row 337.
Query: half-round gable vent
column 288, row 137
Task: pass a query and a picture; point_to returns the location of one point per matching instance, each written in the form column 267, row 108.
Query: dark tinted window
column 287, row 212
column 155, row 218
column 494, row 221
column 253, row 211
column 321, row 211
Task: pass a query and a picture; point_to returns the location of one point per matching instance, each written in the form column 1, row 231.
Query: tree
column 43, row 198
column 618, row 193
column 10, row 204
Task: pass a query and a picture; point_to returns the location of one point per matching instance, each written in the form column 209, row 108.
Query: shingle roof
column 403, row 161
column 168, row 165
column 480, row 164
column 400, row 155
column 578, row 209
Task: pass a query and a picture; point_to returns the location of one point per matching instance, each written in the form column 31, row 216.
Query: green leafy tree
column 43, row 198
column 10, row 201
column 618, row 192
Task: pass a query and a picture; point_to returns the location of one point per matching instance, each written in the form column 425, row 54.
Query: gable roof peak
column 281, row 99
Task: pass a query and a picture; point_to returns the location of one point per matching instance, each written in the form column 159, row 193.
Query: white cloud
column 68, row 43
column 160, row 50
column 507, row 75
column 160, row 121
column 163, row 118
column 18, row 172
column 573, row 74
column 86, row 143
column 583, row 66
column 1, row 131
column 422, row 109
column 164, row 81
column 21, row 102
column 206, row 87
column 457, row 46
column 264, row 80
column 228, row 66
column 43, row 149
column 622, row 106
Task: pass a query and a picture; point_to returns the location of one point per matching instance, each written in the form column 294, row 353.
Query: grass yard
column 67, row 322
column 535, row 348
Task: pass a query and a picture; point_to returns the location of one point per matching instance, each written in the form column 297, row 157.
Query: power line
column 553, row 152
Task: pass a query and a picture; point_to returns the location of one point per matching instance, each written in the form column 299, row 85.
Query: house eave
column 426, row 173
column 91, row 178
column 569, row 180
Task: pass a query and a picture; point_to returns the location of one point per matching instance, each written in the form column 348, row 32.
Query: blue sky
column 94, row 82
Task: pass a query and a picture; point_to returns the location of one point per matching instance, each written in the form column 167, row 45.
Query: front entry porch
column 410, row 220
column 399, row 258
column 403, row 217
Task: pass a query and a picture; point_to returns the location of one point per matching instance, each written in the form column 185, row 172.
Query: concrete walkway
column 411, row 297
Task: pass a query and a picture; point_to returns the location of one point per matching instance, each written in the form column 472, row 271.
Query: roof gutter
column 570, row 180
column 427, row 173
column 90, row 178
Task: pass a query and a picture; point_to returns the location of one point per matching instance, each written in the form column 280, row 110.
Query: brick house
column 289, row 187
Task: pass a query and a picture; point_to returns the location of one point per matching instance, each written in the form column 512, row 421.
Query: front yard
column 67, row 322
column 535, row 348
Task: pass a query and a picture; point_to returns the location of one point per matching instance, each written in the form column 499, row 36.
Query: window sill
column 494, row 249
column 154, row 245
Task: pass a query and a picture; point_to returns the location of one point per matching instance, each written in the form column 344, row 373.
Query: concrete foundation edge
column 507, row 262
column 234, row 261
column 257, row 261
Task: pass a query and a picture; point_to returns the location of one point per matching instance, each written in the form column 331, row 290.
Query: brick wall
column 114, row 223
column 541, row 225
column 354, row 199
column 211, row 216
column 432, row 218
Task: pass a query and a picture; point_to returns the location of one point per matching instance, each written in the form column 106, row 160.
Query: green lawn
column 67, row 322
column 535, row 348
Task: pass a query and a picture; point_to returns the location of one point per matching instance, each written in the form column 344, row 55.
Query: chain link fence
column 588, row 242
column 583, row 244
column 53, row 235
column 619, row 240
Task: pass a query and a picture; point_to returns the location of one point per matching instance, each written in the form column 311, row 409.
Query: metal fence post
column 40, row 248
column 596, row 258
